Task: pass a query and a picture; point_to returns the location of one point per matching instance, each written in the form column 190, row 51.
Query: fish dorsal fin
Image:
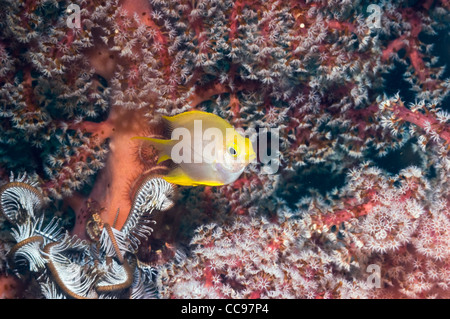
column 171, row 121
column 187, row 120
column 179, row 177
column 178, row 116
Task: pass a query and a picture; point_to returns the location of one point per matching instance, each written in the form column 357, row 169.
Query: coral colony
column 349, row 200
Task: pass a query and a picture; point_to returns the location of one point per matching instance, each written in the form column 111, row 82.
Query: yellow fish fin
column 179, row 177
column 153, row 141
column 162, row 158
column 173, row 121
column 211, row 183
column 163, row 146
column 184, row 114
column 178, row 120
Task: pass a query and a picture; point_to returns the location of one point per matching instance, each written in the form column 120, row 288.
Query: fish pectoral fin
column 179, row 177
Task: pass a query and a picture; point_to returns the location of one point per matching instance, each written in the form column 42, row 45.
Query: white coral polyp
column 433, row 238
column 387, row 227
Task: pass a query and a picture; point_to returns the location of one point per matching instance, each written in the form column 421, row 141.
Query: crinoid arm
column 154, row 194
column 19, row 198
column 73, row 278
column 64, row 266
column 113, row 242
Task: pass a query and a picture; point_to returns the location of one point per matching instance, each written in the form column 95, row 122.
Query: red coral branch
column 410, row 42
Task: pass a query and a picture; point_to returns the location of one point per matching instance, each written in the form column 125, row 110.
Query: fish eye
column 232, row 151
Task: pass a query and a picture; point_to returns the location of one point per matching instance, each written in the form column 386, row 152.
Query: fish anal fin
column 179, row 177
column 211, row 183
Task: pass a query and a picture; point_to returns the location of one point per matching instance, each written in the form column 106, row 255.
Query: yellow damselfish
column 205, row 147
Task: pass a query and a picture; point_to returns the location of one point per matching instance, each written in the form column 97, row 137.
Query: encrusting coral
column 357, row 206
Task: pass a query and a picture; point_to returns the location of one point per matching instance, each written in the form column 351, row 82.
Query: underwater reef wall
column 359, row 94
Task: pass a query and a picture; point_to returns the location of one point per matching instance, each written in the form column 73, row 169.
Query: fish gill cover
column 354, row 93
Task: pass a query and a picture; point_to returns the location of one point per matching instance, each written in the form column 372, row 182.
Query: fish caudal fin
column 162, row 158
column 169, row 125
column 163, row 146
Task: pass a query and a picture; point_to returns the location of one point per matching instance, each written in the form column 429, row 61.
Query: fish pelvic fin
column 163, row 146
